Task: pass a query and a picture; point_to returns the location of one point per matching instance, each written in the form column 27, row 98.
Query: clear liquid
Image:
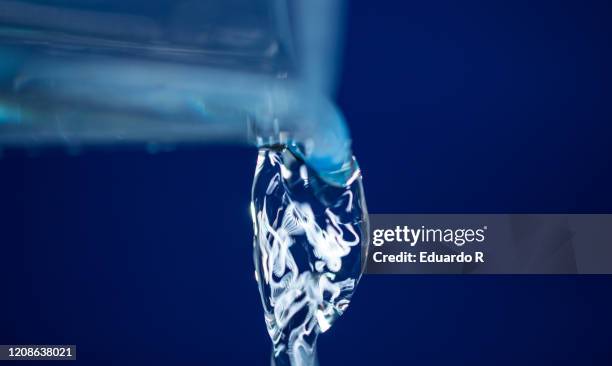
column 310, row 242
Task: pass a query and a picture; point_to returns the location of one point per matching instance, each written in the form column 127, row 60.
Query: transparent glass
column 88, row 72
column 106, row 72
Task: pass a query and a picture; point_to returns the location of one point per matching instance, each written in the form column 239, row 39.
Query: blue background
column 467, row 106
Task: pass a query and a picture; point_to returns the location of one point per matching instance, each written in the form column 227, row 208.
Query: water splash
column 310, row 242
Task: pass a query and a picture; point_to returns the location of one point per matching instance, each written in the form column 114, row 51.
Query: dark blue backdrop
column 467, row 106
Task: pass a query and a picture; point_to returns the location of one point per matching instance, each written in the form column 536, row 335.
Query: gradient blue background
column 454, row 106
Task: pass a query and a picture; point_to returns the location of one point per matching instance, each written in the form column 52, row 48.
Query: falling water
column 310, row 242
